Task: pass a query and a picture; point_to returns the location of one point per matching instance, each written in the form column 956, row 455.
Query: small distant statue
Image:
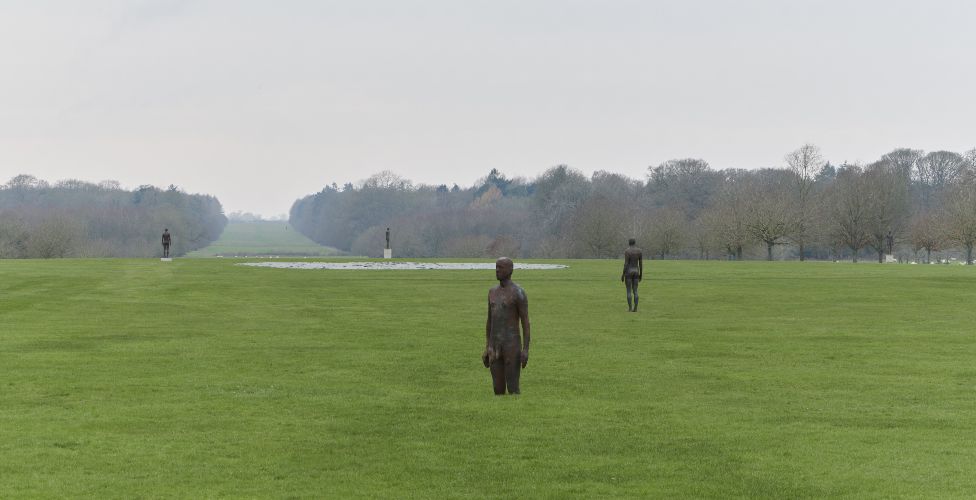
column 633, row 273
column 890, row 240
column 167, row 239
column 506, row 352
column 387, row 238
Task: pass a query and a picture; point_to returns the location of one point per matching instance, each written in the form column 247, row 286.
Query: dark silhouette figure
column 505, row 351
column 167, row 239
column 387, row 238
column 890, row 241
column 633, row 273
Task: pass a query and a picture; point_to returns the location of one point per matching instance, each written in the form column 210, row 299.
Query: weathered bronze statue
column 387, row 238
column 167, row 239
column 506, row 353
column 633, row 273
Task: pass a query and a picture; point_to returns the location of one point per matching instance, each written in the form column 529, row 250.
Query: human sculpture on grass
column 167, row 239
column 506, row 352
column 633, row 273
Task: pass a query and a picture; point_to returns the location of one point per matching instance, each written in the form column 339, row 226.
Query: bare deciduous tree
column 666, row 233
column 925, row 232
column 767, row 207
column 939, row 168
column 727, row 216
column 559, row 192
column 849, row 210
column 599, row 227
column 13, row 236
column 805, row 163
column 886, row 193
column 960, row 216
column 904, row 161
column 53, row 237
column 685, row 184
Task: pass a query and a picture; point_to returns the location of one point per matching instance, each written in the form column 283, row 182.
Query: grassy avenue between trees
column 262, row 238
column 199, row 378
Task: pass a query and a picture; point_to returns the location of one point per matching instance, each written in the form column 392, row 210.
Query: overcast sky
column 260, row 103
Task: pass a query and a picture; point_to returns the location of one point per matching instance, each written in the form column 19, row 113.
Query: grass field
column 199, row 378
column 263, row 238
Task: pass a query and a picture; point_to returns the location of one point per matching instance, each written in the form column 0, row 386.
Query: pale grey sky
column 259, row 103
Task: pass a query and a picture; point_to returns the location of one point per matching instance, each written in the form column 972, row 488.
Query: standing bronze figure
column 387, row 238
column 506, row 353
column 167, row 239
column 633, row 273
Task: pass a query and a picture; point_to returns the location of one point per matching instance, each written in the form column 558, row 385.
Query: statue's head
column 632, row 242
column 503, row 268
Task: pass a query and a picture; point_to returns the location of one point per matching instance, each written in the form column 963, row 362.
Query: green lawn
column 264, row 238
column 200, row 379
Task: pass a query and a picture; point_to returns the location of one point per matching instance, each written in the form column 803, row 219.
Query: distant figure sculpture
column 167, row 239
column 890, row 241
column 633, row 273
column 505, row 351
column 387, row 238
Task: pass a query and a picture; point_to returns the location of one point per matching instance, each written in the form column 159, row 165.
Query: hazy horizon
column 260, row 104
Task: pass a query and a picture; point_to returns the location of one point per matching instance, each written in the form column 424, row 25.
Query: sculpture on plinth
column 167, row 240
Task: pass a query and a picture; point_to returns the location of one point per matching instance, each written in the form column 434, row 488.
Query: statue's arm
column 640, row 266
column 488, row 326
column 485, row 357
column 624, row 272
column 523, row 309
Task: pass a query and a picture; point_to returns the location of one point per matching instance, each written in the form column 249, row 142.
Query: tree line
column 73, row 218
column 916, row 203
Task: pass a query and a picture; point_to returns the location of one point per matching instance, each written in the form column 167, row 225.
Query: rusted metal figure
column 167, row 239
column 506, row 352
column 633, row 273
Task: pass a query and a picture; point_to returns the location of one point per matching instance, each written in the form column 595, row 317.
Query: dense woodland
column 72, row 218
column 923, row 204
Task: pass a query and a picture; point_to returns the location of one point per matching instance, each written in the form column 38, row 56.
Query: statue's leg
column 636, row 297
column 497, row 368
column 630, row 300
column 513, row 368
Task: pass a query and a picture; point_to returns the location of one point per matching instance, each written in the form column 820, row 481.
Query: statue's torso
column 632, row 257
column 505, row 303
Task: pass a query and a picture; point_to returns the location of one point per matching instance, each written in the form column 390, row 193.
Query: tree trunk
column 928, row 255
column 738, row 252
column 802, row 258
column 969, row 254
column 853, row 255
column 769, row 251
column 881, row 256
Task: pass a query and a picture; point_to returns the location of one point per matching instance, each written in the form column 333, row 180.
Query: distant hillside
column 262, row 238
